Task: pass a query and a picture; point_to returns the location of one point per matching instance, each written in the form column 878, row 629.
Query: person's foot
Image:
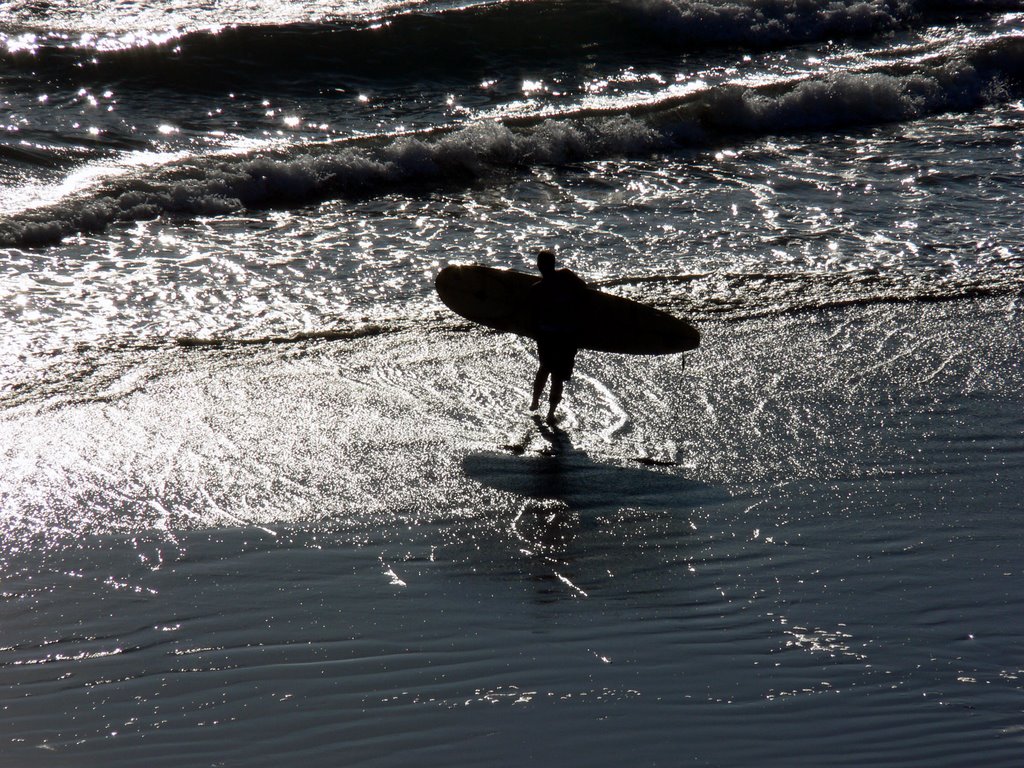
column 552, row 418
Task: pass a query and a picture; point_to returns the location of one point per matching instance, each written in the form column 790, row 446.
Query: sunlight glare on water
column 265, row 499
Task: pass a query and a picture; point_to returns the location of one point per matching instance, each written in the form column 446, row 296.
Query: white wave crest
column 214, row 188
column 771, row 22
column 986, row 75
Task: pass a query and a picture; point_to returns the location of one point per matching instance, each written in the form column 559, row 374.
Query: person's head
column 546, row 261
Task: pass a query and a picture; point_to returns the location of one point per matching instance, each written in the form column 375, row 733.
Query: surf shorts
column 558, row 355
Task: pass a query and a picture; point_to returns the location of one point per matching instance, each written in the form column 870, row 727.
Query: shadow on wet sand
column 561, row 473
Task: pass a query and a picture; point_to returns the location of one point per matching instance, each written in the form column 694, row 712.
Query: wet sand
column 367, row 552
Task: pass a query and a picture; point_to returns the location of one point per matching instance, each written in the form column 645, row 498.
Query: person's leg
column 555, row 397
column 561, row 372
column 538, row 387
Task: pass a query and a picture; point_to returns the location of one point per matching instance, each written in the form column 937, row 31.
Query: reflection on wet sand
column 566, row 490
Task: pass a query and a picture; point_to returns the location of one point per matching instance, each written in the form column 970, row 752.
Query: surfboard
column 501, row 299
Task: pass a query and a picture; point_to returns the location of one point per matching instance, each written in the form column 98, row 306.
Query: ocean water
column 264, row 500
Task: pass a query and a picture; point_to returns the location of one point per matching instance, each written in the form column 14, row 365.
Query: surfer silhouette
column 556, row 300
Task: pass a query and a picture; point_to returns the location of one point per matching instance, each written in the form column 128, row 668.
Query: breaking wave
column 764, row 23
column 990, row 73
column 759, row 24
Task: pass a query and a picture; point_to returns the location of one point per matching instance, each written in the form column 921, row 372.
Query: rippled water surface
column 263, row 498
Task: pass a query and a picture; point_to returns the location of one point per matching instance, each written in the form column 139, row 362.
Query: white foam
column 986, row 75
column 770, row 22
column 228, row 186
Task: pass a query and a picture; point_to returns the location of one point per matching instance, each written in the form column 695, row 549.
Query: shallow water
column 333, row 547
column 263, row 498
